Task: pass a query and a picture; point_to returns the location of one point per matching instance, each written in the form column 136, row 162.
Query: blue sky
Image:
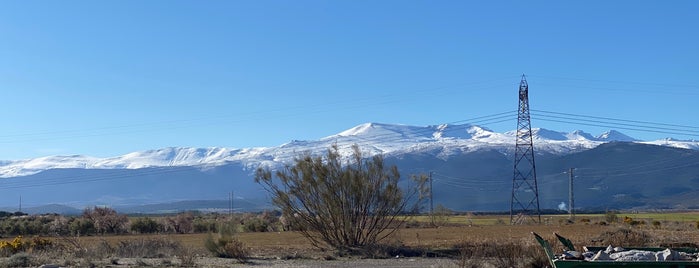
column 104, row 78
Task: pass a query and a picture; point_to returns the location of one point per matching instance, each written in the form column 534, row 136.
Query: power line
column 638, row 123
column 611, row 125
column 618, row 82
column 492, row 119
column 644, row 172
column 642, row 165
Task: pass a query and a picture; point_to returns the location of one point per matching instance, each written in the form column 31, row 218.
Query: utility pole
column 230, row 205
column 571, row 200
column 431, row 200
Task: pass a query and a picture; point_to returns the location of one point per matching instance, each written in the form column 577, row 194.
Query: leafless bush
column 147, row 248
column 227, row 246
column 100, row 251
column 677, row 226
column 611, row 217
column 344, row 202
column 466, row 260
column 21, row 259
column 187, row 257
column 625, row 237
column 390, row 249
column 181, row 223
column 441, row 215
column 106, row 220
column 500, row 254
column 73, row 247
column 412, row 223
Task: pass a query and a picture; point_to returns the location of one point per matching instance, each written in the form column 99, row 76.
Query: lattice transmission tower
column 524, row 206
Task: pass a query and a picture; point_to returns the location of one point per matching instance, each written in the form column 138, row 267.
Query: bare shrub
column 69, row 246
column 344, row 203
column 500, row 254
column 106, row 220
column 21, row 259
column 412, row 223
column 611, row 217
column 147, row 248
column 441, row 215
column 677, row 226
column 463, row 261
column 226, row 244
column 389, row 248
column 379, row 251
column 625, row 237
column 187, row 257
column 101, row 250
column 182, row 223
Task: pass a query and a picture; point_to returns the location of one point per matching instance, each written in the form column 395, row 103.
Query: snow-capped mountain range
column 372, row 138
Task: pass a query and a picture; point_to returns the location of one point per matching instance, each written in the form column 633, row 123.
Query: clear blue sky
column 104, row 78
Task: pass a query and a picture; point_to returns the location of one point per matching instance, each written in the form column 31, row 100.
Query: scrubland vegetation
column 190, row 239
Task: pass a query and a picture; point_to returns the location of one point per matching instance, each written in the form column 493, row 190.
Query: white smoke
column 562, row 206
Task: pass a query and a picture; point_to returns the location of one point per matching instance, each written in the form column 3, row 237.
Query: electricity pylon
column 524, row 206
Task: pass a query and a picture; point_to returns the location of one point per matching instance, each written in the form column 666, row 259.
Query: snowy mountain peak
column 373, row 138
column 542, row 133
column 170, row 156
column 580, row 135
column 613, row 135
column 386, row 131
column 358, row 130
column 464, row 131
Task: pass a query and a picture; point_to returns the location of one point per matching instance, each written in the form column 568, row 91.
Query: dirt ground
column 290, row 249
column 347, row 262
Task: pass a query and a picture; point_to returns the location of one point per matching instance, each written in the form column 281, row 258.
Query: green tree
column 81, row 226
column 344, row 203
column 145, row 226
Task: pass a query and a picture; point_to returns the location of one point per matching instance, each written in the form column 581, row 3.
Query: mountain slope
column 472, row 169
column 623, row 175
column 373, row 138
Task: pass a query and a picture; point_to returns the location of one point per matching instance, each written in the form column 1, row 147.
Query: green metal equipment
column 557, row 262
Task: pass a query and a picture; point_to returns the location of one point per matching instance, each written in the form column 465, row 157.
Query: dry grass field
column 462, row 241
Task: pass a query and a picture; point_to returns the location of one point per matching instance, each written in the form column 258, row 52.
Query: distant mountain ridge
column 373, row 138
column 472, row 166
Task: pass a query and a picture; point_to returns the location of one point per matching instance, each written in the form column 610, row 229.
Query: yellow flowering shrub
column 19, row 244
column 14, row 246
